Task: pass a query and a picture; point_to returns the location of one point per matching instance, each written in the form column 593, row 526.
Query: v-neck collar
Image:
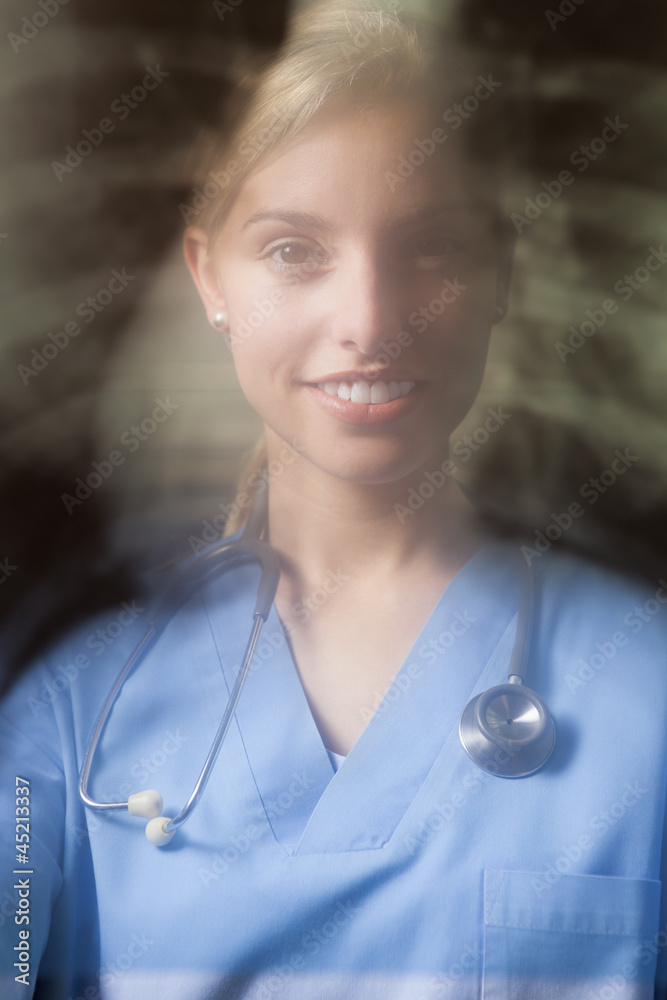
column 466, row 641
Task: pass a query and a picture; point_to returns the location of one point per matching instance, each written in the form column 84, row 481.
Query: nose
column 365, row 310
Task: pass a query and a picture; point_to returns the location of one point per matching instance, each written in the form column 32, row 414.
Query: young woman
column 348, row 842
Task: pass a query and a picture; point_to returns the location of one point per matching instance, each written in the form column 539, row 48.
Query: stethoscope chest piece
column 508, row 731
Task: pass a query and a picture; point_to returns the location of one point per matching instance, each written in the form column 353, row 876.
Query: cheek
column 461, row 334
column 457, row 347
column 254, row 367
column 259, row 335
column 265, row 359
column 271, row 333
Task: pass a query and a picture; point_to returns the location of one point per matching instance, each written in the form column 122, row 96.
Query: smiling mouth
column 375, row 392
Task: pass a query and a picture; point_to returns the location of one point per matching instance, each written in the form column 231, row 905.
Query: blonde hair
column 249, row 482
column 369, row 53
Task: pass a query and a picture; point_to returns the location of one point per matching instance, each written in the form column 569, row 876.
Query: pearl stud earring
column 220, row 320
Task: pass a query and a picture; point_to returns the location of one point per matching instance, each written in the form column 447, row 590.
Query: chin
column 373, row 463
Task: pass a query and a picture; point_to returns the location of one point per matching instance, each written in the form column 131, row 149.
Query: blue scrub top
column 405, row 874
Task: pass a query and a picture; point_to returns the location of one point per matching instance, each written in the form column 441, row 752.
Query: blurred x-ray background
column 95, row 245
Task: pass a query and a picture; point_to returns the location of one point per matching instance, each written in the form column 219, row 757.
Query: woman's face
column 348, row 271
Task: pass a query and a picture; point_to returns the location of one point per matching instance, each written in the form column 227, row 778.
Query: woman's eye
column 294, row 256
column 432, row 252
column 436, row 246
column 292, row 253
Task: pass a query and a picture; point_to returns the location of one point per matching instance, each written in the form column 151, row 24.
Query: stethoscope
column 507, row 730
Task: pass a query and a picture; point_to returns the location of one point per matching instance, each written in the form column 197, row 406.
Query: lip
column 380, row 375
column 364, row 413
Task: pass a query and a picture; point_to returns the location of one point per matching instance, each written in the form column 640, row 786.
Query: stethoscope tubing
column 479, row 738
column 209, row 763
column 139, row 650
column 519, row 660
column 248, row 548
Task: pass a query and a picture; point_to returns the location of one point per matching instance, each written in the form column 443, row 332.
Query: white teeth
column 379, row 393
column 361, row 392
column 367, row 392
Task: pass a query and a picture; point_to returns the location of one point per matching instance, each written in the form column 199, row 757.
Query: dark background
column 60, row 239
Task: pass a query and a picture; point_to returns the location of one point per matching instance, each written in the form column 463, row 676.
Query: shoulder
column 599, row 636
column 586, row 597
column 80, row 666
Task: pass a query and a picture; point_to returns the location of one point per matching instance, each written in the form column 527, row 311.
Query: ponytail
column 249, row 481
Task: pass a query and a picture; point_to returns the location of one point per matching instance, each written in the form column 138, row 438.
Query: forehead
column 353, row 169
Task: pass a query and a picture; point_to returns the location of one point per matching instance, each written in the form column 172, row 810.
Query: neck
column 319, row 524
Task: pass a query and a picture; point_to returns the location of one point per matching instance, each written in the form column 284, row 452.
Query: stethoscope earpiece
column 147, row 804
column 157, row 833
column 248, row 548
column 508, row 731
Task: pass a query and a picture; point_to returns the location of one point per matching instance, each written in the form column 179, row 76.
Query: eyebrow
column 301, row 220
column 310, row 220
column 430, row 212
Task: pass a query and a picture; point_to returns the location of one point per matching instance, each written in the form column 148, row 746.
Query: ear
column 198, row 259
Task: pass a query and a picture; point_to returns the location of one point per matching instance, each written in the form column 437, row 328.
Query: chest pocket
column 569, row 936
